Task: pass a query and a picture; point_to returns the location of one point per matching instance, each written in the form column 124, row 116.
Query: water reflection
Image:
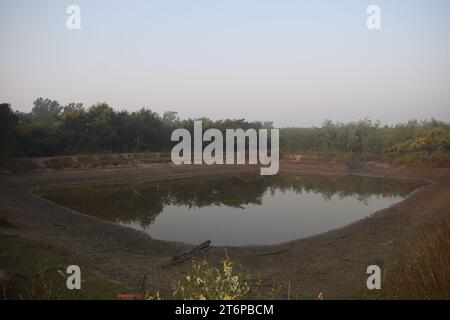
column 235, row 210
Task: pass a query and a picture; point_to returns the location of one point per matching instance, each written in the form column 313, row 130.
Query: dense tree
column 52, row 129
column 45, row 111
column 8, row 122
column 362, row 136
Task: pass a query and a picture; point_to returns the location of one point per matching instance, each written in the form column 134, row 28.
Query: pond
column 235, row 210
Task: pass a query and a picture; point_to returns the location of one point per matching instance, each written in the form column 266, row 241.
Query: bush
column 427, row 274
column 205, row 282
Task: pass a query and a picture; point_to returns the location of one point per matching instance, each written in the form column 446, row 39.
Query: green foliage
column 427, row 267
column 51, row 129
column 8, row 122
column 226, row 281
column 366, row 136
column 206, row 282
column 30, row 272
column 412, row 143
column 45, row 111
column 434, row 140
column 35, row 139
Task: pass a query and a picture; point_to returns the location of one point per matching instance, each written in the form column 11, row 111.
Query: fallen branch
column 189, row 254
column 193, row 252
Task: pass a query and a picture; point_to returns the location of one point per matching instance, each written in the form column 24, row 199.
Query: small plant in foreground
column 427, row 275
column 206, row 282
column 227, row 281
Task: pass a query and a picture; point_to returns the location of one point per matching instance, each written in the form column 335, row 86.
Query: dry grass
column 226, row 281
column 427, row 275
column 206, row 282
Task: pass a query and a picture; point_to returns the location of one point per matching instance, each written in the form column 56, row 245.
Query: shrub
column 427, row 274
column 206, row 282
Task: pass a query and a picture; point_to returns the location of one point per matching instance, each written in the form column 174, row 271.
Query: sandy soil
column 333, row 263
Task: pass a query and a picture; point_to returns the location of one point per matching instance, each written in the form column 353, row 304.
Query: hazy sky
column 291, row 62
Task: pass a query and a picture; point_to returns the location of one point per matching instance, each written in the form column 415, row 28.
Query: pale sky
column 291, row 62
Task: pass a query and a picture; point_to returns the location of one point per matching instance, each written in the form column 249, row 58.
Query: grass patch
column 29, row 271
column 226, row 281
column 206, row 282
column 427, row 274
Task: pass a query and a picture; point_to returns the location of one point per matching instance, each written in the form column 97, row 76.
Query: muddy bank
column 84, row 161
column 333, row 263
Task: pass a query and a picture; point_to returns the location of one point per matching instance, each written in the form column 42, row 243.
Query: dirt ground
column 333, row 263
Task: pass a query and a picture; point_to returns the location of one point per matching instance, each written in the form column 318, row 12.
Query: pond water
column 235, row 210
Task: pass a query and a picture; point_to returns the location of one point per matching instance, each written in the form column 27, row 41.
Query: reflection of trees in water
column 361, row 188
column 141, row 202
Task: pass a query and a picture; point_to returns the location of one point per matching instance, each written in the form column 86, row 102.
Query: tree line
column 365, row 136
column 51, row 129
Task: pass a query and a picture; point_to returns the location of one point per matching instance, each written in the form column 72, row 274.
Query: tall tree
column 8, row 122
column 45, row 111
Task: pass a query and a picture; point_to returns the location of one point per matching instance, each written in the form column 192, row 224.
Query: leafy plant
column 206, row 282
